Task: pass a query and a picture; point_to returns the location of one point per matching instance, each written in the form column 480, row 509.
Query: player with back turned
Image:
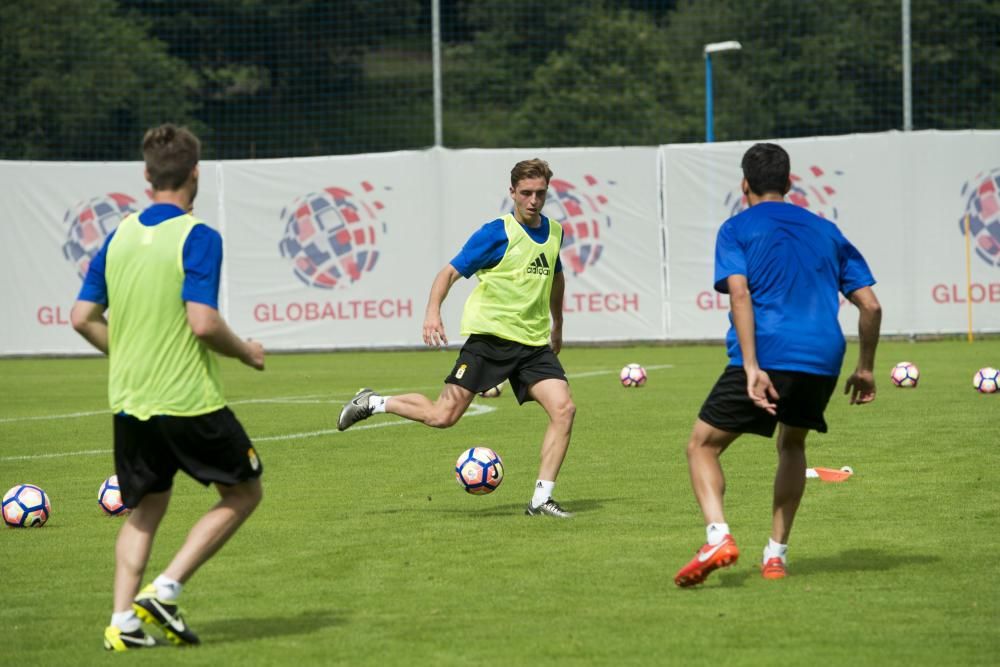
column 157, row 276
column 784, row 269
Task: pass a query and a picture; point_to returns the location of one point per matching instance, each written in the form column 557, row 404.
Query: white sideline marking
column 593, row 373
column 303, row 400
column 474, row 410
column 31, row 457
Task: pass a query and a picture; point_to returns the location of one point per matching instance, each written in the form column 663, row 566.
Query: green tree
column 956, row 71
column 609, row 85
column 82, row 81
column 286, row 78
column 797, row 74
column 486, row 79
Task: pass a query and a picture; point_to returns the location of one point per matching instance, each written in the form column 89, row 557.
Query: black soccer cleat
column 164, row 615
column 355, row 410
column 548, row 508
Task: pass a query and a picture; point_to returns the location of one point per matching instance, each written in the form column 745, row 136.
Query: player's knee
column 247, row 496
column 443, row 420
column 567, row 412
column 695, row 447
column 256, row 495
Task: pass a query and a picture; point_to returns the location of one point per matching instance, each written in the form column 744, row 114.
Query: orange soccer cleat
column 774, row 568
column 708, row 559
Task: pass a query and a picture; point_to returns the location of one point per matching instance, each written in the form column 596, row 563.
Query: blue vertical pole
column 709, row 121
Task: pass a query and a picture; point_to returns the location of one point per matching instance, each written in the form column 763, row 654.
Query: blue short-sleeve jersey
column 796, row 264
column 202, row 261
column 487, row 246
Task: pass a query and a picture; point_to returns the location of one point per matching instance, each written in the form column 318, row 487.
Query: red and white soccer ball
column 905, row 374
column 986, row 380
column 479, row 470
column 26, row 506
column 109, row 498
column 632, row 375
column 492, row 392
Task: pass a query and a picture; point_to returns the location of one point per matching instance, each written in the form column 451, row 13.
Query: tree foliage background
column 270, row 78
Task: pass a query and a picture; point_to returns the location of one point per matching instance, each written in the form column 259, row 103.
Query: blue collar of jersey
column 157, row 213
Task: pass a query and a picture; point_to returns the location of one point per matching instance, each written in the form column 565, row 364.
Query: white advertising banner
column 607, row 201
column 340, row 252
column 899, row 198
column 59, row 215
column 330, row 252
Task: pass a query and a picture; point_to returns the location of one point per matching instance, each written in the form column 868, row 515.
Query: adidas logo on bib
column 539, row 266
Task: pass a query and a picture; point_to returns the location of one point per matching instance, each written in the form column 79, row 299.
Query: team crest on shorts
column 254, row 461
column 461, row 371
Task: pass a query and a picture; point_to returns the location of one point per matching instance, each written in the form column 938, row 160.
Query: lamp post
column 714, row 47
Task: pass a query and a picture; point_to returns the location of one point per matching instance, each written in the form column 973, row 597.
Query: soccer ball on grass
column 632, row 375
column 492, row 392
column 479, row 470
column 109, row 498
column 905, row 374
column 986, row 380
column 26, row 506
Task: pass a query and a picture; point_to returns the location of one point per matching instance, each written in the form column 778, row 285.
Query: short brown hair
column 171, row 154
column 530, row 169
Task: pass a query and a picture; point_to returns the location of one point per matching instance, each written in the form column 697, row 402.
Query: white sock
column 126, row 621
column 167, row 589
column 775, row 550
column 716, row 531
column 377, row 403
column 543, row 491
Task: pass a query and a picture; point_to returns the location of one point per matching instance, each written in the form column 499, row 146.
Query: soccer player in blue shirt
column 158, row 275
column 784, row 269
column 513, row 320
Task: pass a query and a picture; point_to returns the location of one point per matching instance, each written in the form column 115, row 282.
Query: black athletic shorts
column 486, row 361
column 210, row 448
column 802, row 398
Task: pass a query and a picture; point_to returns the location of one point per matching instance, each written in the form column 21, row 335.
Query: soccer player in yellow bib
column 513, row 322
column 157, row 275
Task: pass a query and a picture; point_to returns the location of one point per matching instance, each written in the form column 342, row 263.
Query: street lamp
column 714, row 47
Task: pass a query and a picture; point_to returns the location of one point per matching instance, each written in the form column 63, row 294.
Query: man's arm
column 433, row 326
column 208, row 325
column 556, row 309
column 861, row 383
column 759, row 386
column 89, row 321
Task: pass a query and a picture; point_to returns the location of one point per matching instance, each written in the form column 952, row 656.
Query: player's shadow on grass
column 861, row 560
column 851, row 560
column 580, row 506
column 228, row 630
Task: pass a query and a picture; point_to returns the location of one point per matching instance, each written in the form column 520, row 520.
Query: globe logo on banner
column 982, row 206
column 812, row 190
column 89, row 223
column 580, row 211
column 331, row 236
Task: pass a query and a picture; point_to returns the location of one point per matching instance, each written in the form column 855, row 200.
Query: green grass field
column 365, row 551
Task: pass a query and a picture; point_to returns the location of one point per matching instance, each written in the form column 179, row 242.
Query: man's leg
column 789, row 480
column 132, row 548
column 442, row 413
column 709, row 484
column 554, row 397
column 704, row 448
column 237, row 502
column 134, row 543
column 789, row 485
